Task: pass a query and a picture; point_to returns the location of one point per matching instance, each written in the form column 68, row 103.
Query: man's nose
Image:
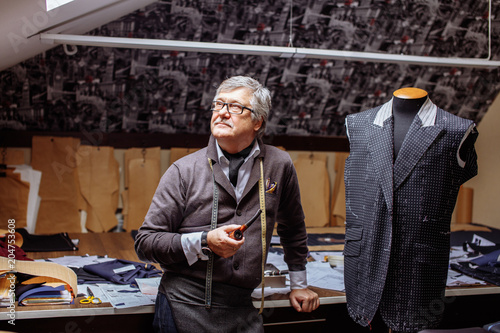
column 224, row 111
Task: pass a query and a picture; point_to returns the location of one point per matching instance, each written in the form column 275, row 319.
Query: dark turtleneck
column 404, row 111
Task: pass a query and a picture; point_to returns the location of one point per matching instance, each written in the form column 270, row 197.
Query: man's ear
column 257, row 125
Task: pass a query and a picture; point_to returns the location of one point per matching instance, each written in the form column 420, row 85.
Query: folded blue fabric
column 123, row 271
column 490, row 259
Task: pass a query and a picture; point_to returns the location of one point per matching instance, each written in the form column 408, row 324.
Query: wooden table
column 104, row 318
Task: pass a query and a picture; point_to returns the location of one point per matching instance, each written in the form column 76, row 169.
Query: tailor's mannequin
column 405, row 105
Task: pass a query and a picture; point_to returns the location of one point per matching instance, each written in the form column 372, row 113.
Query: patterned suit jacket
column 398, row 214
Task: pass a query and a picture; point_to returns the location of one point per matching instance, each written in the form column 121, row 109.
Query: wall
column 119, row 155
column 165, row 163
column 486, row 184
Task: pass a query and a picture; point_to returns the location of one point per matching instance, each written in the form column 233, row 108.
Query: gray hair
column 260, row 102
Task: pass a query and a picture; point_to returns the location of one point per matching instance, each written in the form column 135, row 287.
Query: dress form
column 401, row 197
column 405, row 105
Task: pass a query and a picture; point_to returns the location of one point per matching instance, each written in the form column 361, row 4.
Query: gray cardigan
column 183, row 202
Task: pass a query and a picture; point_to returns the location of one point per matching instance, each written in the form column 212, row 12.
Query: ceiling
column 129, row 89
column 23, row 20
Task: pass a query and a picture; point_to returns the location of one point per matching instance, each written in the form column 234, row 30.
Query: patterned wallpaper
column 130, row 90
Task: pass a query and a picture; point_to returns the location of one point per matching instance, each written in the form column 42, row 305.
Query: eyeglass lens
column 232, row 107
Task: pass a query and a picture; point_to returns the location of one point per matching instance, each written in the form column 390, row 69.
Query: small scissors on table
column 90, row 299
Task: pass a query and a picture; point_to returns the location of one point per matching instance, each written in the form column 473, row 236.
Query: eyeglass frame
column 224, row 104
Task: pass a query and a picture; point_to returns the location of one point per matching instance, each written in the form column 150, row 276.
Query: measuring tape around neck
column 213, row 225
column 262, row 204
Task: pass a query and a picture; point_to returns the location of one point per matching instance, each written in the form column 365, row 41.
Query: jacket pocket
column 431, row 255
column 353, row 238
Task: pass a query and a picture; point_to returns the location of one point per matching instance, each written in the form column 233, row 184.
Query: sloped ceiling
column 112, row 90
column 22, row 20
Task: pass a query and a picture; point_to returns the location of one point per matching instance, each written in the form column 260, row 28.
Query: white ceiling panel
column 23, row 20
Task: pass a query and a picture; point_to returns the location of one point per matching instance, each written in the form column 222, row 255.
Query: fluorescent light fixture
column 396, row 58
column 273, row 51
column 172, row 45
column 52, row 4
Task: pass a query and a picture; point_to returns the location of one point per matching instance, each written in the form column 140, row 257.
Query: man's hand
column 304, row 300
column 220, row 242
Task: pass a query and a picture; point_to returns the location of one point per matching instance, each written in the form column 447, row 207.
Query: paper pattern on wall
column 14, row 195
column 60, row 194
column 151, row 153
column 99, row 180
column 143, row 181
column 177, row 153
column 463, row 208
column 132, row 201
column 338, row 196
column 314, row 184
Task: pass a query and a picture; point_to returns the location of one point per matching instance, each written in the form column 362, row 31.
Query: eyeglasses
column 232, row 108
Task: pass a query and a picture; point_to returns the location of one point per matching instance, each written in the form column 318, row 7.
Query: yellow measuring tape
column 262, row 201
column 213, row 225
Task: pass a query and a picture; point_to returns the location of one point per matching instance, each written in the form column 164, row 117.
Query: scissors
column 90, row 299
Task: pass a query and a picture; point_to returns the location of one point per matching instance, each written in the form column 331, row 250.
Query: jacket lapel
column 417, row 141
column 254, row 177
column 380, row 146
column 221, row 179
column 255, row 173
column 424, row 130
column 219, row 176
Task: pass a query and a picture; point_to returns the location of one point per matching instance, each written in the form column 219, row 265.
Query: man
column 209, row 276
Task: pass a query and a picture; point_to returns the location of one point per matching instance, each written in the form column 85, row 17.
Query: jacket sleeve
column 290, row 221
column 158, row 239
